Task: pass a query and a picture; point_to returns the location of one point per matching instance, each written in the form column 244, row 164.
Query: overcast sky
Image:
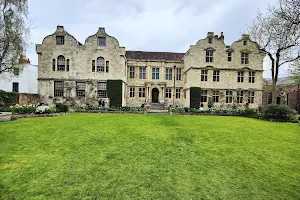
column 147, row 25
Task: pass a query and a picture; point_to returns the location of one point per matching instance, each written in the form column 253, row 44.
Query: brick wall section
column 287, row 93
column 27, row 99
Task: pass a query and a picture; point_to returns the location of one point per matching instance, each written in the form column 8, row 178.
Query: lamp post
column 174, row 87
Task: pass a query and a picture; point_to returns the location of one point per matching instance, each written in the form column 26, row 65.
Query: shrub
column 279, row 112
column 52, row 110
column 114, row 92
column 8, row 98
column 21, row 109
column 62, row 107
column 44, row 109
column 249, row 112
column 195, row 96
column 92, row 107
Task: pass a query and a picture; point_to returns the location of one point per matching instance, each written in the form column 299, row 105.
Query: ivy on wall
column 195, row 96
column 114, row 92
column 8, row 98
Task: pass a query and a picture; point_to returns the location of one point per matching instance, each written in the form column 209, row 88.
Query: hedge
column 195, row 96
column 8, row 98
column 114, row 92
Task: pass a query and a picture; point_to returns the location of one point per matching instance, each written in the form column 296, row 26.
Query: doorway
column 155, row 94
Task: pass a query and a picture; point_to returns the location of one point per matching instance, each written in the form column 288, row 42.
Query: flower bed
column 279, row 113
column 97, row 109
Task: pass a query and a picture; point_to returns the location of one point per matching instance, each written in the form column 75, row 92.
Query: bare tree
column 14, row 32
column 295, row 71
column 278, row 34
column 287, row 10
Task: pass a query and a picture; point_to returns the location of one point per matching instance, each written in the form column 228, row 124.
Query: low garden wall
column 18, row 116
column 110, row 111
column 5, row 116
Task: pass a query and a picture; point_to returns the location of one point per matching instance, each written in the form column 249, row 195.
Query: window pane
column 101, row 41
column 100, row 64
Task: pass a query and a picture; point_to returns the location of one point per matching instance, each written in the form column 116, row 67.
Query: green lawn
column 127, row 156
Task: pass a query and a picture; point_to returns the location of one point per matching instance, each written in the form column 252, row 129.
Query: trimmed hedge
column 114, row 92
column 279, row 113
column 8, row 98
column 195, row 96
column 62, row 107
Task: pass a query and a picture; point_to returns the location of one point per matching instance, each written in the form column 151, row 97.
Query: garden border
column 19, row 116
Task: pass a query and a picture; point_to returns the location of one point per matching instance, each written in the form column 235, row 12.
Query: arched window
column 100, row 64
column 61, row 64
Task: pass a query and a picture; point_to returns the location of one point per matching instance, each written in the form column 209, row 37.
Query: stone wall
column 195, row 62
column 27, row 99
column 191, row 64
column 161, row 84
column 5, row 116
column 80, row 65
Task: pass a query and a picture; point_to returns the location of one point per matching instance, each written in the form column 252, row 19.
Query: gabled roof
column 154, row 56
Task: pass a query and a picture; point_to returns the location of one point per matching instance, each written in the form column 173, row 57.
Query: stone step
column 154, row 111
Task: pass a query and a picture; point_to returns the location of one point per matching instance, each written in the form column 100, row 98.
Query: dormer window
column 245, row 42
column 245, row 58
column 209, row 55
column 101, row 41
column 210, row 40
column 60, row 40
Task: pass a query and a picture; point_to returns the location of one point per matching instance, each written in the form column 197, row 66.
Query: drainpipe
column 174, row 87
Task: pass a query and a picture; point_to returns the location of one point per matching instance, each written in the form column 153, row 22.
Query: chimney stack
column 221, row 37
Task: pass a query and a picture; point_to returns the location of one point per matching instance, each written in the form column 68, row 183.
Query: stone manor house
column 79, row 74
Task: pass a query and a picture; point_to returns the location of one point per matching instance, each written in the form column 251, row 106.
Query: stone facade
column 158, row 77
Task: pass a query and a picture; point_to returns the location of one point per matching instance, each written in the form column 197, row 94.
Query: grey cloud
column 149, row 25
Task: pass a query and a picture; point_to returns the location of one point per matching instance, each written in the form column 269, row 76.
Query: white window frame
column 229, row 96
column 245, row 58
column 102, row 89
column 204, row 75
column 178, row 91
column 169, row 93
column 142, row 92
column 178, row 74
column 169, row 73
column 155, row 73
column 251, row 77
column 209, row 56
column 251, row 96
column 216, row 96
column 142, row 73
column 216, row 75
column 240, row 76
column 240, row 96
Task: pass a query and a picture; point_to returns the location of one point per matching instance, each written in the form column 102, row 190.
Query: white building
column 23, row 82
